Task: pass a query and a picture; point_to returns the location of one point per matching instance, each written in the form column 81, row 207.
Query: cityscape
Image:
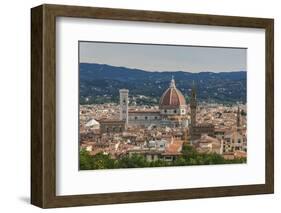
column 133, row 129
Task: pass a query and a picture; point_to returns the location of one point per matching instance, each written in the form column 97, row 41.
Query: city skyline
column 134, row 119
column 170, row 133
column 162, row 58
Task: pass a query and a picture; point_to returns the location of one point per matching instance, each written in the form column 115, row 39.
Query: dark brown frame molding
column 43, row 105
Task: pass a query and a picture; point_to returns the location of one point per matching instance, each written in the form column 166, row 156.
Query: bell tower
column 124, row 100
column 238, row 122
column 193, row 105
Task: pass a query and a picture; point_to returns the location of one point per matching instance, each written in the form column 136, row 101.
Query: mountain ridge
column 101, row 83
column 159, row 71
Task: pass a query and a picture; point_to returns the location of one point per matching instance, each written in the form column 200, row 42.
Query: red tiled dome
column 172, row 97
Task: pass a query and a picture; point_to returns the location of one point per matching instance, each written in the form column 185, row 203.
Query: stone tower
column 238, row 122
column 193, row 106
column 124, row 100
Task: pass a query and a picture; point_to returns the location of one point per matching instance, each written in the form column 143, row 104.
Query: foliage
column 189, row 157
column 99, row 161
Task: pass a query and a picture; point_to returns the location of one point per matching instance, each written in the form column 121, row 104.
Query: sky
column 163, row 58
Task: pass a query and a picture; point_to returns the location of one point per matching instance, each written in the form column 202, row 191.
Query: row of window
column 228, row 140
column 114, row 129
column 146, row 118
column 175, row 111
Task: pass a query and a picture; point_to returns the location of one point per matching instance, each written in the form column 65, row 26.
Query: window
column 175, row 111
column 155, row 117
column 165, row 111
column 145, row 117
column 136, row 118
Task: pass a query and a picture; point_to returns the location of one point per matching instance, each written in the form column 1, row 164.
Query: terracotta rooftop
column 174, row 147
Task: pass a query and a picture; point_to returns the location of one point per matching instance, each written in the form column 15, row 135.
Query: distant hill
column 100, row 83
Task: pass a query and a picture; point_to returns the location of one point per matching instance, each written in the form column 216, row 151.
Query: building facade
column 172, row 111
column 112, row 126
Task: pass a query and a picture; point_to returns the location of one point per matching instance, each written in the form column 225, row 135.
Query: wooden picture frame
column 43, row 105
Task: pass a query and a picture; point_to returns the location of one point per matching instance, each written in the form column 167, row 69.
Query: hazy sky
column 164, row 57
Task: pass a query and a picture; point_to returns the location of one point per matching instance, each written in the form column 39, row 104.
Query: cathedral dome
column 172, row 97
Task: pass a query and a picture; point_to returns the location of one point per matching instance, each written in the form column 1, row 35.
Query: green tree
column 159, row 163
column 98, row 161
column 180, row 161
column 85, row 160
column 102, row 161
column 189, row 157
column 135, row 161
column 189, row 151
